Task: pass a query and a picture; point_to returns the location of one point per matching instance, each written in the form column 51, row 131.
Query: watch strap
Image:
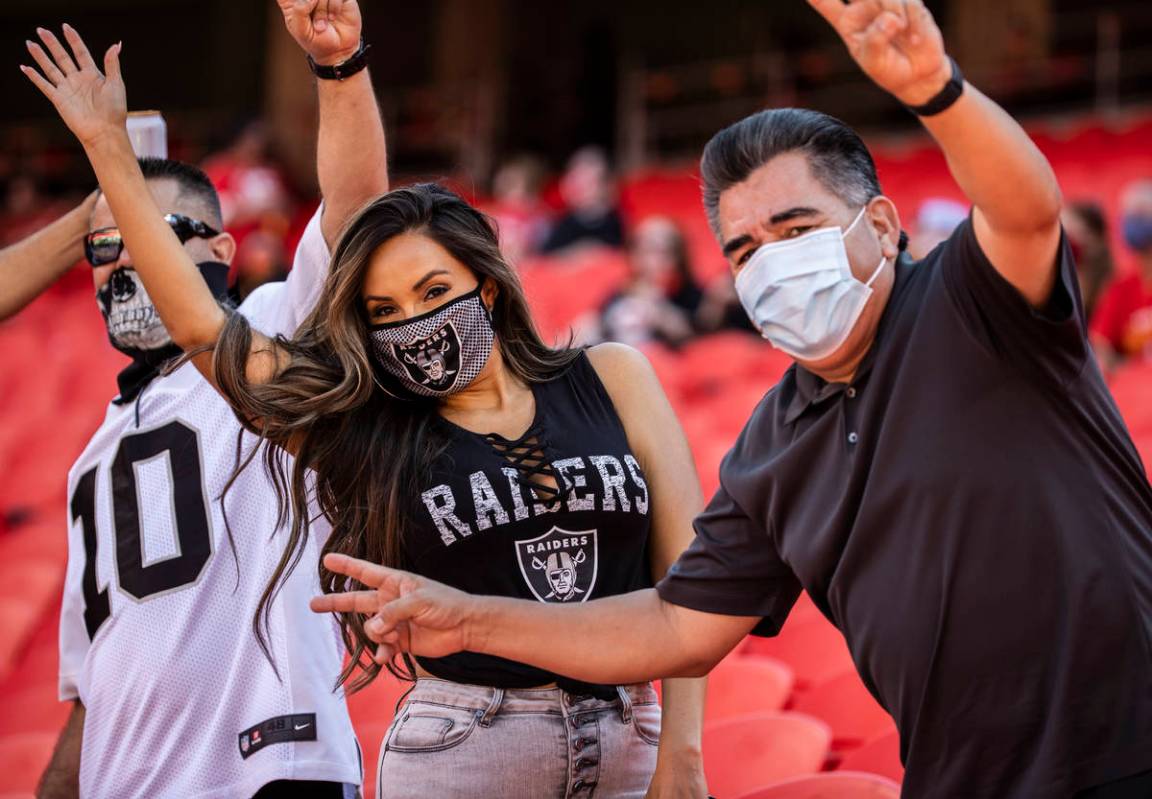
column 345, row 69
column 946, row 96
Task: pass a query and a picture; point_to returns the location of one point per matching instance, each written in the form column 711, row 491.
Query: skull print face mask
column 134, row 326
column 440, row 352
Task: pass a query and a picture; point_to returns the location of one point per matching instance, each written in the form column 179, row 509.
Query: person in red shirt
column 1122, row 325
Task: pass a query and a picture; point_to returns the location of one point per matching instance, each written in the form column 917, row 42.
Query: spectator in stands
column 173, row 694
column 661, row 299
column 591, row 216
column 942, row 470
column 1087, row 230
column 260, row 259
column 517, row 208
column 251, row 183
column 1122, row 326
column 30, row 266
column 936, row 219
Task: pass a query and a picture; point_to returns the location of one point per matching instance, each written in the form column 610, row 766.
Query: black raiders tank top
column 486, row 524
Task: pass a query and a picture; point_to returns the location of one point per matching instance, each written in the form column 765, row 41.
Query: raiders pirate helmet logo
column 434, row 361
column 559, row 566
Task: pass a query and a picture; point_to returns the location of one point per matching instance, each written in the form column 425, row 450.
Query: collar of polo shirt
column 812, row 389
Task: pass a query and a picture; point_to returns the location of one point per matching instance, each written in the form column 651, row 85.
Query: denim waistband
column 491, row 701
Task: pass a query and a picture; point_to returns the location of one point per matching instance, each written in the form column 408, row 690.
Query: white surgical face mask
column 801, row 293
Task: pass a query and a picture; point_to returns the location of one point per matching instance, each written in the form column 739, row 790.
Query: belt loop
column 493, row 707
column 625, row 704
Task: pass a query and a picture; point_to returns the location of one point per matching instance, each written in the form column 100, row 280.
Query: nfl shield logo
column 559, row 566
column 433, row 361
column 243, row 743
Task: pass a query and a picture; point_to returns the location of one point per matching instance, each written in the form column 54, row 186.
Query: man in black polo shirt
column 943, row 469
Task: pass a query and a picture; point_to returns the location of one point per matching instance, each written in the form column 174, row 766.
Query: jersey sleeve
column 73, row 638
column 732, row 568
column 1050, row 342
column 279, row 308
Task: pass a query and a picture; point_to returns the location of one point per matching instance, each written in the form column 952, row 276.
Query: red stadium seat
column 852, row 713
column 836, row 785
column 879, row 756
column 813, row 648
column 743, row 684
column 747, row 752
column 1132, row 388
column 23, row 758
column 18, row 620
column 371, row 737
column 32, row 579
column 32, row 708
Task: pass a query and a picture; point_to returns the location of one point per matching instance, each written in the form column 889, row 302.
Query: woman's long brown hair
column 361, row 453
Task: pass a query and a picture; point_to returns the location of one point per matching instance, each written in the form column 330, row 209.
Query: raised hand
column 896, row 42
column 91, row 103
column 410, row 613
column 327, row 30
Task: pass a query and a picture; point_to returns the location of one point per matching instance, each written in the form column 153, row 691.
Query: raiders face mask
column 440, row 352
column 134, row 326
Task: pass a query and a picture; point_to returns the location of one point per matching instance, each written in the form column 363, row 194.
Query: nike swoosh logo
column 301, row 726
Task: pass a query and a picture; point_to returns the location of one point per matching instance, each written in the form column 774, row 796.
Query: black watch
column 946, row 97
column 345, row 69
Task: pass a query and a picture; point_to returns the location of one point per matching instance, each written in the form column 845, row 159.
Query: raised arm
column 351, row 156
column 1013, row 188
column 33, row 264
column 93, row 106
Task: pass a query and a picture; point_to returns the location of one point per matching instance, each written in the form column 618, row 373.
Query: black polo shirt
column 972, row 514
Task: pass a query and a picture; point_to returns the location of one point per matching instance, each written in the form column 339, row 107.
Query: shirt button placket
column 850, row 416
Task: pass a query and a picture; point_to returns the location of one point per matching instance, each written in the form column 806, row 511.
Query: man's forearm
column 61, row 779
column 997, row 166
column 351, row 157
column 30, row 266
column 617, row 640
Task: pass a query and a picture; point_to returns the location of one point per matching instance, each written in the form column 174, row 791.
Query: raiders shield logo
column 559, row 566
column 433, row 361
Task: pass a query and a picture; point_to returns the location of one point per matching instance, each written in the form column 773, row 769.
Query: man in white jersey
column 173, row 694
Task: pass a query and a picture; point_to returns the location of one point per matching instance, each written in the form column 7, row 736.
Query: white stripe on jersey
column 156, row 634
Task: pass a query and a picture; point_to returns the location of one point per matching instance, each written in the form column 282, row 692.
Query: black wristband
column 945, row 98
column 345, row 69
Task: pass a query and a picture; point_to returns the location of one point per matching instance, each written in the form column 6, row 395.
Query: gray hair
column 836, row 154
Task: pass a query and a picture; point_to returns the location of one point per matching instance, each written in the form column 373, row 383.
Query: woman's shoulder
column 626, row 372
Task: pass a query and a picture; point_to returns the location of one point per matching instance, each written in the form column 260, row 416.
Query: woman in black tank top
column 445, row 438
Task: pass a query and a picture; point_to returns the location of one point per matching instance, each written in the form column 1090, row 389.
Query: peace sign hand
column 409, row 613
column 92, row 104
column 327, row 30
column 896, row 42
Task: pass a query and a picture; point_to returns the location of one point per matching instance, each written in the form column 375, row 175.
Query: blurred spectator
column 721, row 309
column 591, row 216
column 1122, row 326
column 253, row 188
column 520, row 214
column 661, row 298
column 935, row 221
column 1087, row 232
column 261, row 258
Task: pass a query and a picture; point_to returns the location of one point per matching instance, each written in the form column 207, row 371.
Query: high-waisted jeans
column 454, row 740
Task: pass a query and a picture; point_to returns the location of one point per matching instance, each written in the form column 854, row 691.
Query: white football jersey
column 156, row 636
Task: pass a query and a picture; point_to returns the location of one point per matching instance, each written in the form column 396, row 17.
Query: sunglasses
column 105, row 245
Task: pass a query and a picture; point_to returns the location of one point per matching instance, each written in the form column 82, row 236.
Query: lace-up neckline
column 527, row 453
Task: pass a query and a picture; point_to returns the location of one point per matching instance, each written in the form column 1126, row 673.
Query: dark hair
column 192, row 180
column 368, row 450
column 836, row 154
